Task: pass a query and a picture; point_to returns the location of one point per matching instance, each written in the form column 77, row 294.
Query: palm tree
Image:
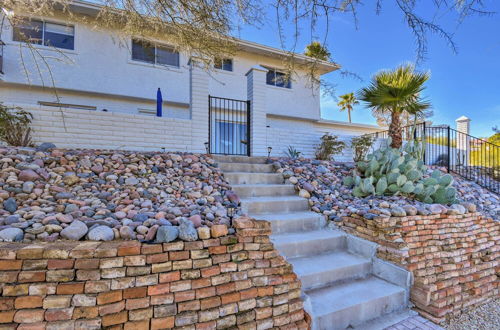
column 347, row 102
column 316, row 50
column 396, row 92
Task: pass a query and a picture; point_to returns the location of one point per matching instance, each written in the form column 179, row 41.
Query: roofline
column 92, row 9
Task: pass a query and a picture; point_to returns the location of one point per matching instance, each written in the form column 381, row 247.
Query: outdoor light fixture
column 231, row 209
column 207, row 147
column 269, row 149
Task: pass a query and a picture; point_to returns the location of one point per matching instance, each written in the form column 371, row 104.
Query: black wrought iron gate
column 229, row 126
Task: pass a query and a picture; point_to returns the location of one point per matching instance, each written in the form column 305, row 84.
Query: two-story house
column 106, row 86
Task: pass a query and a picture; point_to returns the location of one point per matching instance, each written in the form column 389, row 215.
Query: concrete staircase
column 344, row 285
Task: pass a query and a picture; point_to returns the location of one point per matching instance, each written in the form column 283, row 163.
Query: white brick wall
column 305, row 137
column 109, row 130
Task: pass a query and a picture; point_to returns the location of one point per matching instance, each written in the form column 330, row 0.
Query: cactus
column 389, row 171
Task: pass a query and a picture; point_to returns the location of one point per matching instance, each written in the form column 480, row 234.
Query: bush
column 292, row 153
column 15, row 126
column 390, row 171
column 329, row 147
column 360, row 146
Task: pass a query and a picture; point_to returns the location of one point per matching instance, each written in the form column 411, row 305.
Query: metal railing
column 229, row 126
column 472, row 158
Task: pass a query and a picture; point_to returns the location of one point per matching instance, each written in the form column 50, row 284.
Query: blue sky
column 466, row 83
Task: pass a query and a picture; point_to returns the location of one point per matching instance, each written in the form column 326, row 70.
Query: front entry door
column 229, row 126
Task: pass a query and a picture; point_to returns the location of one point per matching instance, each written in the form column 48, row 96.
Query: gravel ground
column 484, row 317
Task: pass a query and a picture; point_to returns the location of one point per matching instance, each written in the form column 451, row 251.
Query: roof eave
column 323, row 67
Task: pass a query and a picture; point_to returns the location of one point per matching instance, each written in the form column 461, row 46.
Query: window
column 45, row 33
column 278, row 79
column 225, row 64
column 155, row 54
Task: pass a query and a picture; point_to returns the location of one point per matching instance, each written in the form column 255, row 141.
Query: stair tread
column 287, row 215
column 272, row 199
column 306, row 236
column 342, row 296
column 322, row 263
column 257, row 185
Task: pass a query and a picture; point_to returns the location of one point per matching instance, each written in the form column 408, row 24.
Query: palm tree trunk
column 349, row 114
column 395, row 130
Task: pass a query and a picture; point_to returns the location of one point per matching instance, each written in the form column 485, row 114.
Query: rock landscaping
column 322, row 183
column 49, row 194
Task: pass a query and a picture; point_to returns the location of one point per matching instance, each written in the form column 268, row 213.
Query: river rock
column 101, row 233
column 28, row 175
column 127, row 233
column 10, row 205
column 75, row 231
column 196, row 220
column 166, row 234
column 187, row 232
column 46, row 146
column 304, row 193
column 11, row 235
column 28, row 187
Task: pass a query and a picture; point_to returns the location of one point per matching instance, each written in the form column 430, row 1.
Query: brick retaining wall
column 455, row 259
column 236, row 280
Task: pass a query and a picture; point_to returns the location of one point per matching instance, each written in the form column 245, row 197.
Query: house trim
column 98, row 94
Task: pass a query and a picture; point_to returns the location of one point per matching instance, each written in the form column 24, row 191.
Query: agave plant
column 389, row 171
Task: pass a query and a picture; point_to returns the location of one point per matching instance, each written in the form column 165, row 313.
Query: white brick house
column 106, row 93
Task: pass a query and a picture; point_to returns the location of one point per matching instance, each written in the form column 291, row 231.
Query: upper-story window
column 278, row 79
column 45, row 33
column 225, row 64
column 155, row 54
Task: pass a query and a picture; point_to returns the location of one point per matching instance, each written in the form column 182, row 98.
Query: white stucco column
column 463, row 140
column 199, row 106
column 256, row 93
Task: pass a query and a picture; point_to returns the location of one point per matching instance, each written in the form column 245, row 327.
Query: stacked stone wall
column 455, row 259
column 234, row 280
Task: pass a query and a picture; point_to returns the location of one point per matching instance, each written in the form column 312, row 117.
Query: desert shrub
column 15, row 127
column 361, row 145
column 390, row 171
column 329, row 147
column 292, row 153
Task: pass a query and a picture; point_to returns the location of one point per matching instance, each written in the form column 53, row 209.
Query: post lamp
column 231, row 210
column 269, row 149
column 207, row 147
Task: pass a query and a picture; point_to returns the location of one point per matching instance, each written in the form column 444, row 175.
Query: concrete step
column 244, row 167
column 239, row 159
column 327, row 269
column 282, row 223
column 253, row 178
column 309, row 243
column 260, row 190
column 270, row 204
column 353, row 303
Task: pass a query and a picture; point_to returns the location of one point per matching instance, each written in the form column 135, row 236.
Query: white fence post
column 463, row 140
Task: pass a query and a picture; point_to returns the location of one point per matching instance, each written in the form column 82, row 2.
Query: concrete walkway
column 415, row 323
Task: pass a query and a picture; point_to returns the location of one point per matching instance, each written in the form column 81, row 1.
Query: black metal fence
column 229, row 126
column 470, row 157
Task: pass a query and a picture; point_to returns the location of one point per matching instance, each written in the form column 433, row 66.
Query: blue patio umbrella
column 159, row 103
